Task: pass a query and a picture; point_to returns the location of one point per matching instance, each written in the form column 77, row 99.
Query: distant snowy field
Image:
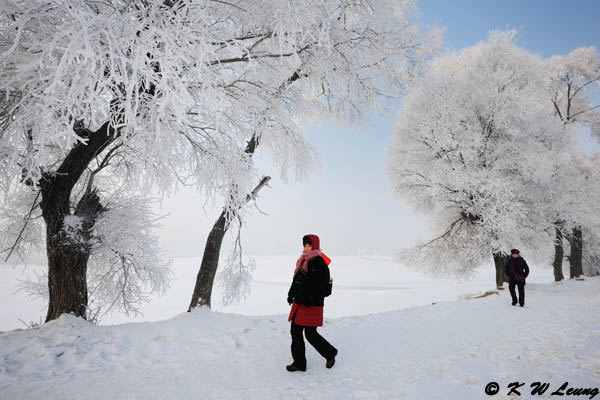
column 362, row 285
column 450, row 350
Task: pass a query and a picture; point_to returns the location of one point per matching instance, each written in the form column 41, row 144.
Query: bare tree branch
column 27, row 218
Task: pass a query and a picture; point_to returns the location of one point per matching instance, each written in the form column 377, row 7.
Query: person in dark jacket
column 309, row 288
column 517, row 270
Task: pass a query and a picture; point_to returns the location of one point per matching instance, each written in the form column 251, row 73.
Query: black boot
column 330, row 363
column 293, row 368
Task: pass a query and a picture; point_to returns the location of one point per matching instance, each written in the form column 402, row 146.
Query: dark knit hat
column 515, row 251
column 306, row 240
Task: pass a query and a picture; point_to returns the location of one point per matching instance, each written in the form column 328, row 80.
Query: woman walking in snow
column 309, row 287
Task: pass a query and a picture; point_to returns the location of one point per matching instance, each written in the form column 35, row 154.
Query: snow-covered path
column 449, row 350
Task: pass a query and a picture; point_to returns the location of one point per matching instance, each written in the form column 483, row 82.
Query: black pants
column 521, row 287
column 317, row 341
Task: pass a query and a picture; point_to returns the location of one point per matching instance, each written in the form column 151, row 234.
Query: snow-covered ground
column 407, row 348
column 362, row 284
column 450, row 350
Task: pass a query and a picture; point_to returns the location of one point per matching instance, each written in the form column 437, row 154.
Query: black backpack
column 325, row 280
column 329, row 286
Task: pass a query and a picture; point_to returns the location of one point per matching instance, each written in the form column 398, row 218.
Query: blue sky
column 546, row 27
column 348, row 202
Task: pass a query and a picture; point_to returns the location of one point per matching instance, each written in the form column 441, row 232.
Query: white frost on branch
column 221, row 71
column 236, row 276
column 72, row 226
column 575, row 87
column 21, row 227
column 127, row 263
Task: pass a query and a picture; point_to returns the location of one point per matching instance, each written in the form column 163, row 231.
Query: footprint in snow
column 161, row 338
column 239, row 343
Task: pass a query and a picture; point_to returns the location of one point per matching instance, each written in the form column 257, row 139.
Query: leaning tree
column 300, row 62
column 473, row 150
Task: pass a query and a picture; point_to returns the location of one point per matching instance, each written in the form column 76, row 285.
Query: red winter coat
column 309, row 315
column 305, row 315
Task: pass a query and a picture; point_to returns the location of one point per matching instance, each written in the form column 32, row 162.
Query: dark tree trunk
column 575, row 258
column 212, row 251
column 559, row 255
column 210, row 260
column 500, row 262
column 210, row 263
column 67, row 271
column 67, row 246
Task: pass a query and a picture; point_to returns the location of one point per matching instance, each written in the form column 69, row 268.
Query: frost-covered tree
column 474, row 148
column 126, row 263
column 78, row 64
column 589, row 222
column 575, row 80
column 155, row 93
column 342, row 59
